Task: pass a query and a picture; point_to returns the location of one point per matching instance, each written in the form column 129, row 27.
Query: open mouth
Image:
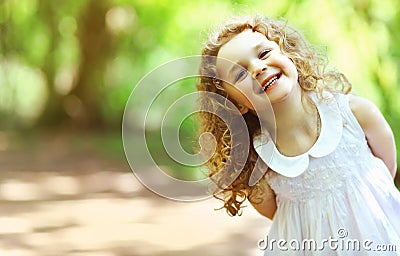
column 270, row 82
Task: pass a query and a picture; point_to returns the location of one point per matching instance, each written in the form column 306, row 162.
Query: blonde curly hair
column 310, row 64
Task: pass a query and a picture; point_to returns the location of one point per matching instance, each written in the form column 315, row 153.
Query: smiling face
column 251, row 66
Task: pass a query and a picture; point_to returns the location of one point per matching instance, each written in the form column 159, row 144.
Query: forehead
column 240, row 46
column 245, row 39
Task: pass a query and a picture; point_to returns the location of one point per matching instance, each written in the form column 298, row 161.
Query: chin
column 280, row 95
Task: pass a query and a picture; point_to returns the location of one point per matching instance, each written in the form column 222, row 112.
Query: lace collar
column 329, row 138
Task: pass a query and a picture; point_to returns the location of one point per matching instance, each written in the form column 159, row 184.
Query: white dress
column 335, row 199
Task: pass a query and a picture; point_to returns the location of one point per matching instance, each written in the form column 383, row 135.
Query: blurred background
column 67, row 69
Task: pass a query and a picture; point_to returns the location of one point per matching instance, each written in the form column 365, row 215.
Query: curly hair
column 311, row 67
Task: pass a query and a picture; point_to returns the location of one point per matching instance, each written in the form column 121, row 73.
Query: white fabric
column 331, row 131
column 343, row 190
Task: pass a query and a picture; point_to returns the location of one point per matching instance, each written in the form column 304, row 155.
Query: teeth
column 271, row 81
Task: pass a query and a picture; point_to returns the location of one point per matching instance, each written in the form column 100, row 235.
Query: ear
column 243, row 109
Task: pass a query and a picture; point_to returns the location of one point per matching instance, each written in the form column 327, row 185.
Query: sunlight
column 16, row 190
column 22, row 89
column 120, row 19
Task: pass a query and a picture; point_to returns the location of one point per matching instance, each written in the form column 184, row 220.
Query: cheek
column 290, row 68
column 241, row 95
column 247, row 88
column 234, row 93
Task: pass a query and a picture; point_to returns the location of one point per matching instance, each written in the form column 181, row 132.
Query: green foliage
column 42, row 57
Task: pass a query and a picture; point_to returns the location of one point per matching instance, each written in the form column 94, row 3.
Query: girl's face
column 261, row 68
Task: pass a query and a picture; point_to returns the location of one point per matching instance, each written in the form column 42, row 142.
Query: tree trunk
column 95, row 45
column 54, row 112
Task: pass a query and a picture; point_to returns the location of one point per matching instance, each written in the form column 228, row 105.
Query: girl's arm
column 377, row 131
column 267, row 207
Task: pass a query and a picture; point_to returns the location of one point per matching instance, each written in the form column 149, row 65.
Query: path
column 57, row 199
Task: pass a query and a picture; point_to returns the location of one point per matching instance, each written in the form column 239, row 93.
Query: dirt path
column 61, row 198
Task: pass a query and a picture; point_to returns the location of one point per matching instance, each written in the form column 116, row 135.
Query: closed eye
column 241, row 75
column 264, row 53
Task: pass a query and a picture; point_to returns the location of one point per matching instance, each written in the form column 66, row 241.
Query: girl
column 330, row 165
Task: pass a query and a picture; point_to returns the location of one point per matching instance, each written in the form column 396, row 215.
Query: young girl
column 330, row 164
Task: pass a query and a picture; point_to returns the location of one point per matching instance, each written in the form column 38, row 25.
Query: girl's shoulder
column 365, row 111
column 345, row 105
column 346, row 102
column 362, row 108
column 360, row 113
column 358, row 105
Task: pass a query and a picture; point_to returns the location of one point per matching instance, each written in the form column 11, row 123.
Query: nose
column 258, row 69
